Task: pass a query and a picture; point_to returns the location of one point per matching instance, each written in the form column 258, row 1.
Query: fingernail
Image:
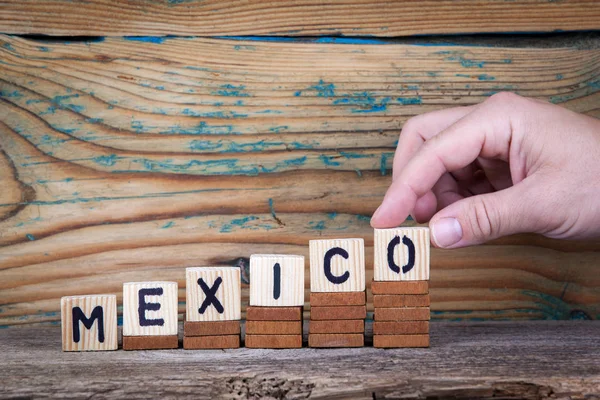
column 446, row 232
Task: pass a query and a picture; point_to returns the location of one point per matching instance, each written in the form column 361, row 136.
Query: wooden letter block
column 398, row 341
column 89, row 323
column 337, row 265
column 150, row 342
column 273, row 313
column 338, row 299
column 338, row 312
column 211, row 328
column 150, row 309
column 341, row 326
column 211, row 342
column 400, row 327
column 402, row 314
column 213, row 294
column 401, row 300
column 336, row 340
column 401, row 254
column 403, row 287
column 273, row 327
column 276, row 280
column 273, row 341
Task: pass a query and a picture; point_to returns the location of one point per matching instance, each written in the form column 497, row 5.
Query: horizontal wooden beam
column 125, row 160
column 291, row 18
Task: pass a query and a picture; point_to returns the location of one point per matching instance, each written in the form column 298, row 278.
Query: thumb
column 481, row 218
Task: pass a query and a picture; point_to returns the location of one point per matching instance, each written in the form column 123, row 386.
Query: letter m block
column 89, row 323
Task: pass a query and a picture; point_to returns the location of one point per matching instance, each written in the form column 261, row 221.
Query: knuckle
column 482, row 220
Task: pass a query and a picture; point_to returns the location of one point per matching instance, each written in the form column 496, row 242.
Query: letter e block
column 89, row 323
column 213, row 294
column 149, row 308
column 276, row 280
column 337, row 265
column 401, row 254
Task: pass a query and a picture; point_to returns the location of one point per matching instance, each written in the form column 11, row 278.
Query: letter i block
column 213, row 308
column 401, row 254
column 150, row 315
column 337, row 265
column 277, row 280
column 89, row 323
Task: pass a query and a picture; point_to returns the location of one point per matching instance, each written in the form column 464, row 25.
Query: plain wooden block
column 211, row 328
column 340, row 326
column 338, row 299
column 150, row 309
column 89, row 323
column 150, row 342
column 337, row 265
column 276, row 280
column 400, row 287
column 338, row 312
column 401, row 300
column 400, row 341
column 273, row 341
column 273, row 313
column 401, row 254
column 402, row 314
column 400, row 327
column 273, row 327
column 211, row 342
column 213, row 294
column 336, row 340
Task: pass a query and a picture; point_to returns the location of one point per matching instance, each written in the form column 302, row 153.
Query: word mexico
column 274, row 320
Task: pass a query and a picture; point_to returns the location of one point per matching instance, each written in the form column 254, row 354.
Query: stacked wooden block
column 401, row 288
column 337, row 297
column 213, row 308
column 274, row 316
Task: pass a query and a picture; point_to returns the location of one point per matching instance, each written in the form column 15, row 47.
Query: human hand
column 508, row 165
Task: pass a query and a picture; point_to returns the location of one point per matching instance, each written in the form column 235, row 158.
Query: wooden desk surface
column 500, row 360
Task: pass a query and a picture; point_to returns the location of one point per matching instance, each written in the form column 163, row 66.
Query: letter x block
column 150, row 315
column 401, row 254
column 213, row 294
column 337, row 265
column 276, row 280
column 89, row 323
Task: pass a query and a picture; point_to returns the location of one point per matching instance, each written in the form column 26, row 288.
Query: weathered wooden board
column 289, row 17
column 491, row 360
column 125, row 160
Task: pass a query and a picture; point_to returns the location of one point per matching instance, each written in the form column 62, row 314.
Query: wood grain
column 211, row 328
column 290, row 281
column 273, row 341
column 337, row 312
column 310, row 17
column 222, row 284
column 168, row 311
column 124, row 160
column 402, row 314
column 399, row 288
column 211, row 342
column 402, row 300
column 155, row 342
column 273, row 313
column 337, row 299
column 339, row 326
column 94, row 338
column 336, row 340
column 486, row 360
column 400, row 327
column 349, row 266
column 273, row 327
column 417, row 237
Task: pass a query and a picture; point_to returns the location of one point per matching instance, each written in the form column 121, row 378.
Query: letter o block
column 337, row 265
column 149, row 308
column 276, row 280
column 213, row 294
column 401, row 254
column 89, row 323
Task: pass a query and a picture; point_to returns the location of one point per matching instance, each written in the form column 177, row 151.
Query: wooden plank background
column 293, row 18
column 125, row 159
